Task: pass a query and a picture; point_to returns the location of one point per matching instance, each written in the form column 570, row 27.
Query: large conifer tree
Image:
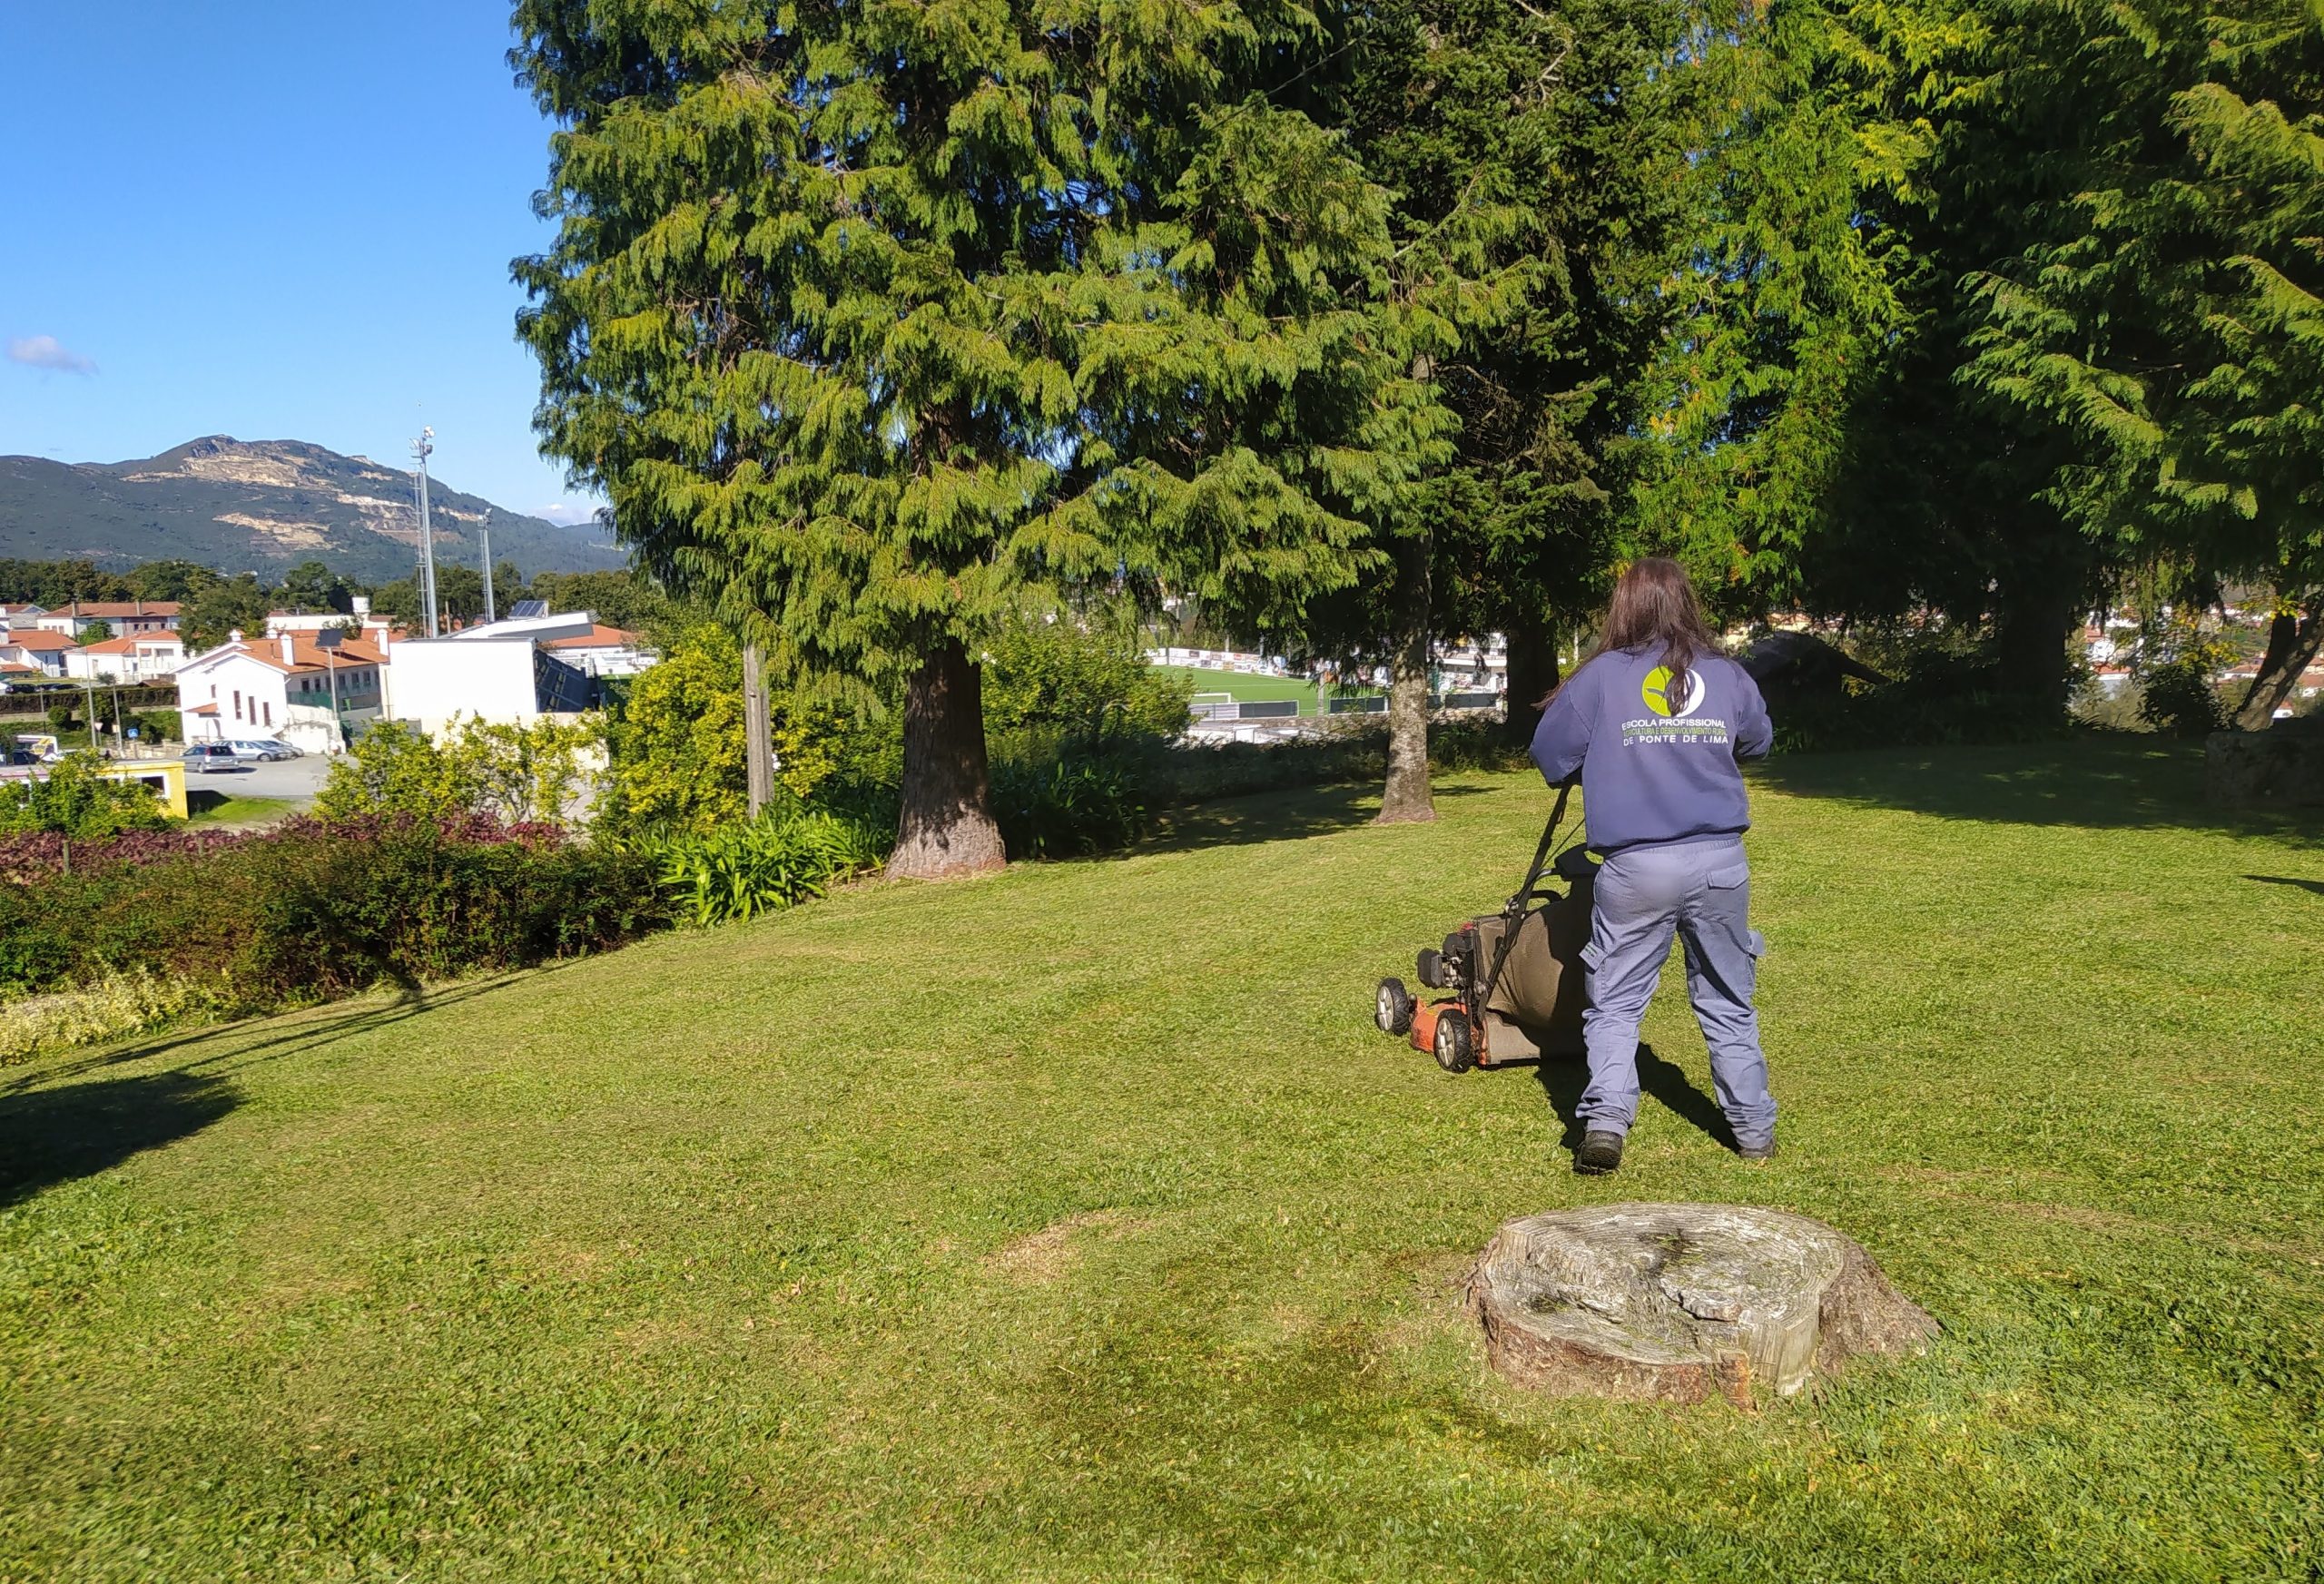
column 1529, row 154
column 2167, row 325
column 868, row 318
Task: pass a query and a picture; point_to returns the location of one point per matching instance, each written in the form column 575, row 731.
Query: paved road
column 295, row 779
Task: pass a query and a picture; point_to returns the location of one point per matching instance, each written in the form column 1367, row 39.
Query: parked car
column 260, row 748
column 202, row 758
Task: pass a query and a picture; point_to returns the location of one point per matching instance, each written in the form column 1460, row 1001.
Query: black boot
column 1600, row 1153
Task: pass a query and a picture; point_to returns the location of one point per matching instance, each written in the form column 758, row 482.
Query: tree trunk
column 947, row 827
column 1406, row 798
column 758, row 731
column 2038, row 608
column 1532, row 673
column 2294, row 638
column 1682, row 1303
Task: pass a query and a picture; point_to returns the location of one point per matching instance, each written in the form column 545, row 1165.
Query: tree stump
column 1678, row 1303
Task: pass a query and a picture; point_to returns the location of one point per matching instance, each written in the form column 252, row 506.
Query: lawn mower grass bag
column 1514, row 977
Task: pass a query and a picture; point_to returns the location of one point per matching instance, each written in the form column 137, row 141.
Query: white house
column 41, row 650
column 126, row 618
column 281, row 687
column 511, row 670
column 142, row 658
column 21, row 613
column 601, row 651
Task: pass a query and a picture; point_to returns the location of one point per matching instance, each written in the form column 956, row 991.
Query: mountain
column 264, row 506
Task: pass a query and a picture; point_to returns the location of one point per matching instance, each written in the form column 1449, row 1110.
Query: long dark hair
column 1654, row 606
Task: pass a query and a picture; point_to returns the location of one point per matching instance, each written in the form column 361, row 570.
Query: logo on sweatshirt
column 1656, row 693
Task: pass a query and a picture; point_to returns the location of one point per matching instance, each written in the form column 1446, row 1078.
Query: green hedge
column 312, row 910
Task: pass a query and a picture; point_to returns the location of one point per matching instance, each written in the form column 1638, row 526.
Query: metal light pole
column 484, row 536
column 421, row 449
column 328, row 641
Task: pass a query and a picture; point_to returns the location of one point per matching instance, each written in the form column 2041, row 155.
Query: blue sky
column 271, row 219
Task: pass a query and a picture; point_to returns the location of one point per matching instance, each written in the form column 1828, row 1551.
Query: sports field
column 1246, row 688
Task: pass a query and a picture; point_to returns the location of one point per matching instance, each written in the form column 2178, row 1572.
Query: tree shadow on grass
column 280, row 1036
column 1563, row 1079
column 2098, row 782
column 1276, row 816
column 55, row 1136
column 2315, row 886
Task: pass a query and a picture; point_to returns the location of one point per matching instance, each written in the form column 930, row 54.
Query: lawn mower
column 1514, row 977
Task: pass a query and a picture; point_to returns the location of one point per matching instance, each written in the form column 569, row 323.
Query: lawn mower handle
column 1515, row 911
column 1541, row 854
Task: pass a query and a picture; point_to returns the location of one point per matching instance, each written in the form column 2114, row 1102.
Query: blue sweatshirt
column 1655, row 769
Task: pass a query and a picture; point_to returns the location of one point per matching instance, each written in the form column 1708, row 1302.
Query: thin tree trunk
column 2294, row 639
column 947, row 827
column 1532, row 673
column 758, row 734
column 1406, row 797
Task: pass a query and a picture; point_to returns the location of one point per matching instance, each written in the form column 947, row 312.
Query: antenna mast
column 421, row 449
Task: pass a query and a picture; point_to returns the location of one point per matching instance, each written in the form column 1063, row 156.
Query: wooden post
column 758, row 730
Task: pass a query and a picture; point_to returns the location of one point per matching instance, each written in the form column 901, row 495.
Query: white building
column 285, row 686
column 515, row 670
column 126, row 618
column 21, row 613
column 143, row 658
column 602, row 652
column 279, row 621
column 41, row 650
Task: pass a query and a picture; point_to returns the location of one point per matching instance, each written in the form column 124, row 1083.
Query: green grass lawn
column 210, row 807
column 1075, row 1223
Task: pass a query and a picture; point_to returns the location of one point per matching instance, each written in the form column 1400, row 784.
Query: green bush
column 74, row 800
column 311, row 909
column 677, row 751
column 1086, row 683
column 533, row 771
column 1471, row 742
column 784, row 857
column 1069, row 807
column 2178, row 698
column 1901, row 718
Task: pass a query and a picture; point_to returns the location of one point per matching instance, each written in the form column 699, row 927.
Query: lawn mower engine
column 1514, row 978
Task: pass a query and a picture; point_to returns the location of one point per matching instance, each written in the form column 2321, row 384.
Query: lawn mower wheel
column 1456, row 1046
column 1395, row 1013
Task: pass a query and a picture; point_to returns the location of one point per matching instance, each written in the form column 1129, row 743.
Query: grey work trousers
column 1702, row 891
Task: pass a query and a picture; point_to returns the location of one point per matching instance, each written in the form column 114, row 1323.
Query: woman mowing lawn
column 1655, row 721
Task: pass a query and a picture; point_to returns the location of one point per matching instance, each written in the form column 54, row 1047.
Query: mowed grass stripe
column 1074, row 1222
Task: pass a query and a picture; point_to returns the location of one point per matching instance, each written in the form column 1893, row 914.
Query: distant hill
column 264, row 506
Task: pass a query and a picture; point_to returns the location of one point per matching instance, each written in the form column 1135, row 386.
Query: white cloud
column 48, row 352
column 568, row 513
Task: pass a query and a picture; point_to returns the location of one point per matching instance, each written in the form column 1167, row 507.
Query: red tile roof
column 131, row 643
column 306, row 654
column 102, row 609
column 21, row 639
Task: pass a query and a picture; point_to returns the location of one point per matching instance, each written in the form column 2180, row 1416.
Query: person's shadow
column 1563, row 1078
